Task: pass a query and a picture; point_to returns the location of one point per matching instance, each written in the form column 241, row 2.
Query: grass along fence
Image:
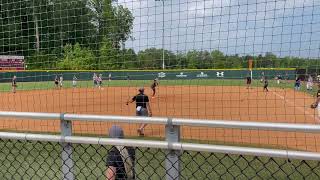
column 45, row 85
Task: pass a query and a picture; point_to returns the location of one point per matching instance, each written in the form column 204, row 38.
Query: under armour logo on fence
column 161, row 75
column 220, row 74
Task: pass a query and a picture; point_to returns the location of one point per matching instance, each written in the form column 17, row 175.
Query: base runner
column 143, row 108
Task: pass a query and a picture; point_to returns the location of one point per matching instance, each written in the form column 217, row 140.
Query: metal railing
column 172, row 144
column 248, row 125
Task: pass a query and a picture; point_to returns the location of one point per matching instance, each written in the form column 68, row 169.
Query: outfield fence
column 64, row 156
column 183, row 74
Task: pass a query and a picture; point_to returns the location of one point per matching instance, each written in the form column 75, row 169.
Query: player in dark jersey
column 297, row 84
column 153, row 87
column 56, row 82
column 143, row 108
column 266, row 84
column 316, row 103
column 248, row 81
column 14, row 84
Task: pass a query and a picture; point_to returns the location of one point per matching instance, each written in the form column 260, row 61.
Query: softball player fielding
column 74, row 81
column 153, row 87
column 14, row 84
column 143, row 108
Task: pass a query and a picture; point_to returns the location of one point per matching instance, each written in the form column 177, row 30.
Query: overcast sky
column 284, row 27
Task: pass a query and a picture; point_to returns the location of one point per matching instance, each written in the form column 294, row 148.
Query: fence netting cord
column 42, row 160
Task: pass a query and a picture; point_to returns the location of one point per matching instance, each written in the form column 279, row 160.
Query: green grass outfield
column 41, row 160
column 44, row 85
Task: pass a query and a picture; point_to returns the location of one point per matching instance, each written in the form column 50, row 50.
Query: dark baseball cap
column 116, row 132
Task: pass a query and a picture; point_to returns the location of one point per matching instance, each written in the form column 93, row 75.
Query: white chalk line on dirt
column 303, row 110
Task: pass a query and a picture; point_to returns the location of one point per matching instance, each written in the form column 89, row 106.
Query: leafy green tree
column 233, row 62
column 113, row 22
column 192, row 57
column 152, row 58
column 129, row 59
column 199, row 59
column 271, row 60
column 77, row 58
column 109, row 55
column 218, row 59
column 181, row 59
column 14, row 26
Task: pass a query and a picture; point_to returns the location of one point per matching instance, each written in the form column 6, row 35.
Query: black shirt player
column 153, row 87
column 266, row 84
column 56, row 81
column 143, row 107
column 248, row 81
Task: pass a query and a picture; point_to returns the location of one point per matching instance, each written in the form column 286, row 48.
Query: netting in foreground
column 41, row 160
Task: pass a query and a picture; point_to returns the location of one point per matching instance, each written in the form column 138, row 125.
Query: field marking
column 303, row 110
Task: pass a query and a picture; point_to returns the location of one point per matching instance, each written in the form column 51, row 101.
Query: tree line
column 77, row 58
column 91, row 34
column 45, row 31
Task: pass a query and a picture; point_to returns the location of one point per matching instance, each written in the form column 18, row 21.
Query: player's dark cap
column 116, row 132
column 141, row 89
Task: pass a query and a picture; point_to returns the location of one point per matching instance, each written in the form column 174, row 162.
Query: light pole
column 163, row 64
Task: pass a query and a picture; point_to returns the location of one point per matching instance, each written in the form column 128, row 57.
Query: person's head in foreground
column 116, row 132
column 120, row 159
column 141, row 90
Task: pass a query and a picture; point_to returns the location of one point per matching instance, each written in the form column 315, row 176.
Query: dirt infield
column 206, row 102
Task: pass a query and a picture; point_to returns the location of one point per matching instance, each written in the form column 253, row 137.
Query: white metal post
column 163, row 64
column 173, row 156
column 66, row 154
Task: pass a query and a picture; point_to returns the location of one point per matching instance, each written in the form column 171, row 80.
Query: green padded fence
column 36, row 76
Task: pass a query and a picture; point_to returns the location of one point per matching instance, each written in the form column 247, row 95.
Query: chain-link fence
column 42, row 160
column 65, row 156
